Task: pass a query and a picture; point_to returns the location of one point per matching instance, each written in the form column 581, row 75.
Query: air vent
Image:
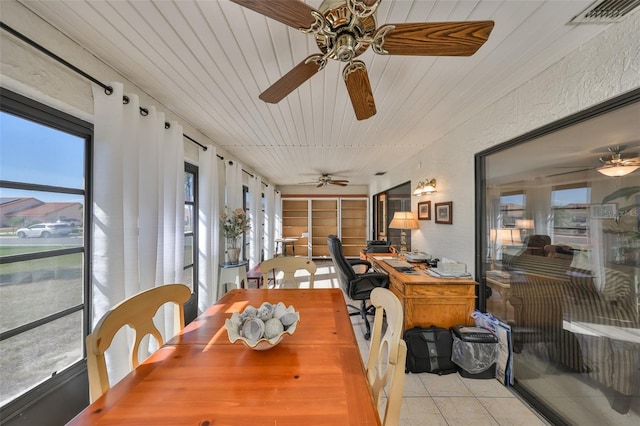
column 606, row 12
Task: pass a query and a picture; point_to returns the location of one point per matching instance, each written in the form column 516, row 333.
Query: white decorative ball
column 272, row 328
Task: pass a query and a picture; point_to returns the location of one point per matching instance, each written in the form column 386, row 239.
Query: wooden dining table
column 314, row 377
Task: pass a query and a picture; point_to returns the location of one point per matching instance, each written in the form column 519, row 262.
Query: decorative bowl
column 270, row 315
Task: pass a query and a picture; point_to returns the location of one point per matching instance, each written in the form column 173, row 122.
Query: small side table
column 284, row 242
column 232, row 273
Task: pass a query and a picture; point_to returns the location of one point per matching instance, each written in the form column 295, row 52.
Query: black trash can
column 475, row 351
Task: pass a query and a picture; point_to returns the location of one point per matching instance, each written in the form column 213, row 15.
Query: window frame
column 36, row 112
column 193, row 170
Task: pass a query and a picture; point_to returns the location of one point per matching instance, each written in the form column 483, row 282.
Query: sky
column 33, row 153
column 558, row 197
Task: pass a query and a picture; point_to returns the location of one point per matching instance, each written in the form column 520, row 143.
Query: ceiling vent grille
column 606, row 12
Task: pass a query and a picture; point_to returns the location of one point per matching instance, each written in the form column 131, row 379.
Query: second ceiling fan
column 344, row 29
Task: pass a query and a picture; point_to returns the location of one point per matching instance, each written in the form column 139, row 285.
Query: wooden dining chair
column 387, row 354
column 137, row 312
column 289, row 266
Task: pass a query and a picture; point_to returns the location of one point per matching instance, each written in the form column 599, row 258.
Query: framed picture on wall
column 444, row 212
column 424, row 210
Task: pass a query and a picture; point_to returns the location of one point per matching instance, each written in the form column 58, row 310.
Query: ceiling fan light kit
column 618, row 171
column 344, row 29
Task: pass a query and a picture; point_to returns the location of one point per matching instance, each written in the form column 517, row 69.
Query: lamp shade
column 524, row 223
column 403, row 220
column 508, row 236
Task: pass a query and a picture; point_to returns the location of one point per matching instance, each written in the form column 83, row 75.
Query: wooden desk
column 314, row 377
column 428, row 300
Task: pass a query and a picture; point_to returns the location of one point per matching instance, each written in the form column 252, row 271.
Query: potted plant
column 233, row 226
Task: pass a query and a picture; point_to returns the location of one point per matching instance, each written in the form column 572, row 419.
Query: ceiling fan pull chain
column 378, row 39
column 319, row 25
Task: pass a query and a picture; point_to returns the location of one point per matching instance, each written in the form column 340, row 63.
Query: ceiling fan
column 325, row 179
column 615, row 164
column 344, row 29
column 619, row 164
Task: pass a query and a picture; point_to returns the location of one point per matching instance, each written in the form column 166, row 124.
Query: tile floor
column 451, row 400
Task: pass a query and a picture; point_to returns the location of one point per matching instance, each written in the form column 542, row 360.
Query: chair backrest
column 535, row 243
column 387, row 354
column 345, row 271
column 137, row 312
column 289, row 265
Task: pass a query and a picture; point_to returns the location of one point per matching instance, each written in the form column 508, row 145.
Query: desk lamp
column 402, row 221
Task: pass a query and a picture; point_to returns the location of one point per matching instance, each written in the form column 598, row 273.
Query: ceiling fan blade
column 320, row 184
column 432, row 38
column 293, row 79
column 294, row 13
column 357, row 81
column 335, row 182
column 339, row 181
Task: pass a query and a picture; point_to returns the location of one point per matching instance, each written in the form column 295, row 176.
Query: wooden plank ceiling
column 209, row 60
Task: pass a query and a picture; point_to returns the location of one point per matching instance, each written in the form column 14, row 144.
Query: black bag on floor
column 429, row 350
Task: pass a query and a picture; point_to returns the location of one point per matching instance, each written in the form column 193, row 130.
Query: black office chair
column 356, row 286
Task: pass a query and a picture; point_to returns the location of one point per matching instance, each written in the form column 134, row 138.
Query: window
column 43, row 243
column 190, row 226
column 570, row 207
column 512, row 208
column 246, row 206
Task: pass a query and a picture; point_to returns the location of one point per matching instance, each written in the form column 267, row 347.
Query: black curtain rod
column 107, row 89
column 261, row 181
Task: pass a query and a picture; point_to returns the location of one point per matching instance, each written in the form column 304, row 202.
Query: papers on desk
column 435, row 272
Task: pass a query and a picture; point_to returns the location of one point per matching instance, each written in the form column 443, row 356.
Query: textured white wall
column 603, row 68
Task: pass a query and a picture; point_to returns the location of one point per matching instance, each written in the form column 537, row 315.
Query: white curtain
column 255, row 215
column 269, row 221
column 138, row 199
column 209, row 234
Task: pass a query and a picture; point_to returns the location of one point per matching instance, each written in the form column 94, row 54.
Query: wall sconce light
column 425, row 187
